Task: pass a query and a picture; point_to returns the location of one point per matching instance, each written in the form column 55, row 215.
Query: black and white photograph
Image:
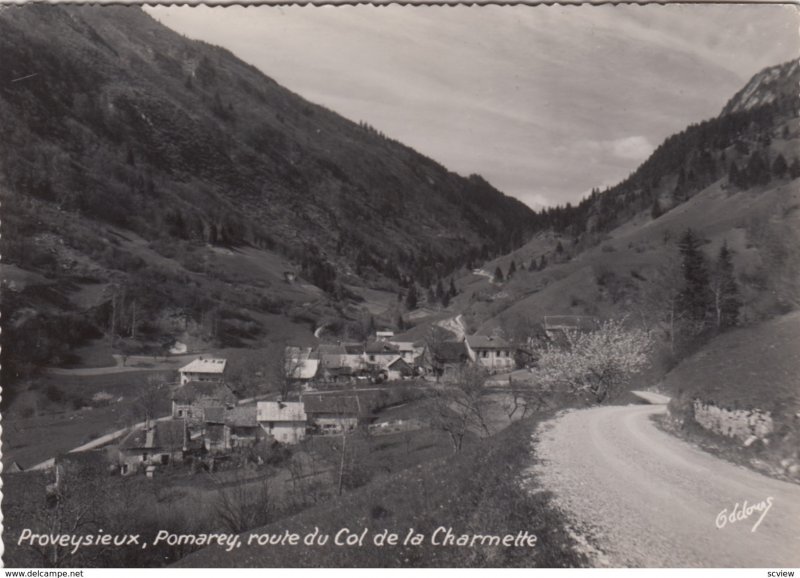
column 399, row 286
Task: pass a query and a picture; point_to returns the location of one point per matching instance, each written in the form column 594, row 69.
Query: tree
column 598, row 363
column 779, row 167
column 542, row 263
column 735, row 177
column 411, row 297
column 725, row 291
column 498, row 275
column 655, row 210
column 794, row 169
column 243, row 504
column 757, row 169
column 460, row 408
column 695, row 299
column 658, row 300
column 511, row 269
column 453, row 290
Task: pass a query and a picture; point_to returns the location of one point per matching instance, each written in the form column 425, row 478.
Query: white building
column 493, row 353
column 285, row 421
column 202, row 370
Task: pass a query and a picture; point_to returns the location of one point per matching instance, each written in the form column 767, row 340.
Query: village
column 332, row 389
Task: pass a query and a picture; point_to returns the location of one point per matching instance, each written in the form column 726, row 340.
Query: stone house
column 284, row 421
column 157, row 443
column 329, row 413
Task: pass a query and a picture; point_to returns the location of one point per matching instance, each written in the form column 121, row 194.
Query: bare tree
column 244, row 504
column 460, row 407
column 598, row 363
column 658, row 303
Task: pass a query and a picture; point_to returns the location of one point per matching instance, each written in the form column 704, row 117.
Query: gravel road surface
column 644, row 498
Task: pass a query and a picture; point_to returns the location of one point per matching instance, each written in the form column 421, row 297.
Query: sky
column 544, row 102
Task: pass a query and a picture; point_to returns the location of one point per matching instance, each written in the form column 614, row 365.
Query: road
column 644, row 498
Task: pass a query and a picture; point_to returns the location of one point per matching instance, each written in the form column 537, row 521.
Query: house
column 555, row 326
column 380, row 353
column 154, row 444
column 81, row 465
column 285, row 421
column 191, row 400
column 202, row 370
column 303, row 370
column 212, row 434
column 334, row 413
column 241, row 426
column 341, row 367
column 354, row 349
column 448, row 359
column 492, row 353
column 398, row 368
column 407, row 350
column 383, row 335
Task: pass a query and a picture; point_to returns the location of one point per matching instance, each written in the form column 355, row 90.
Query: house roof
column 487, row 342
column 195, row 391
column 200, row 365
column 336, row 404
column 280, row 411
column 302, row 368
column 330, row 349
column 214, row 414
column 451, row 352
column 294, row 353
column 353, row 348
column 382, row 347
column 84, row 461
column 160, row 434
column 404, row 345
column 332, row 360
column 215, row 433
column 242, row 416
column 399, row 364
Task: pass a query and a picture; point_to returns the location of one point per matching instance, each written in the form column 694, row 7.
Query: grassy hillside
column 753, row 367
column 479, row 491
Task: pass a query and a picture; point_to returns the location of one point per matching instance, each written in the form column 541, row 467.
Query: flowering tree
column 598, row 363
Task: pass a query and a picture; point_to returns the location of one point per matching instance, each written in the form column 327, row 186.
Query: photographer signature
column 744, row 512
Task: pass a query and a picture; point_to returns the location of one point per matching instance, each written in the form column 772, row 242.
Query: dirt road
column 647, row 499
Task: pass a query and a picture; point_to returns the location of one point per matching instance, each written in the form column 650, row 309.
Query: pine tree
column 439, row 290
column 411, row 297
column 734, row 176
column 453, row 290
column 655, row 210
column 542, row 263
column 794, row 169
column 725, row 291
column 779, row 167
column 695, row 300
column 757, row 169
column 533, row 266
column 511, row 269
column 498, row 275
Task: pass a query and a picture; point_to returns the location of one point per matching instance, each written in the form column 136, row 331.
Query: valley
column 229, row 309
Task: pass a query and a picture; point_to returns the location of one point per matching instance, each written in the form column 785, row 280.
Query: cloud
column 545, row 102
column 635, row 148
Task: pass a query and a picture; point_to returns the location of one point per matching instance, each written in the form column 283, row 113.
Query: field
column 752, row 367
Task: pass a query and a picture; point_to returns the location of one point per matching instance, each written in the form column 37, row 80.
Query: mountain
column 771, row 85
column 151, row 181
column 733, row 179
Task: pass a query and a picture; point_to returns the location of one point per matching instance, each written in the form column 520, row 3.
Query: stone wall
column 743, row 424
